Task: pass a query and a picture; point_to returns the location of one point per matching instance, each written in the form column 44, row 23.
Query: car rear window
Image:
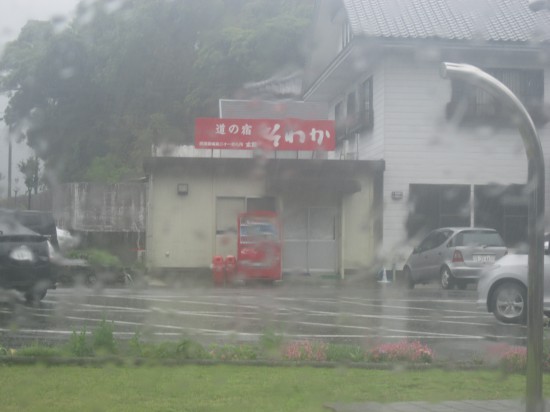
column 478, row 238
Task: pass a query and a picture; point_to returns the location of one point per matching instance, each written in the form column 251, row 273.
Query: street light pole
column 535, row 184
column 9, row 168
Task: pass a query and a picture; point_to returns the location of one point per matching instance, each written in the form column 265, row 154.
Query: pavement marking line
column 319, row 313
column 416, row 334
column 209, row 303
column 252, row 318
column 416, row 308
column 200, row 314
column 446, row 335
column 468, row 301
column 390, row 317
column 129, row 323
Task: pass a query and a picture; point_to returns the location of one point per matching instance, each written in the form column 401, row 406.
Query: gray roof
column 485, row 20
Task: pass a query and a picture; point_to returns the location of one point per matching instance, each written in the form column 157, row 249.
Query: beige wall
column 359, row 241
column 181, row 229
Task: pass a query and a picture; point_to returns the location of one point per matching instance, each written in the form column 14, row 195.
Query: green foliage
column 3, row 351
column 189, row 349
column 103, row 338
column 100, row 91
column 230, row 352
column 163, row 350
column 271, row 340
column 39, row 351
column 79, row 345
column 135, row 346
column 109, row 169
column 30, row 169
column 270, row 344
column 345, row 353
column 97, row 257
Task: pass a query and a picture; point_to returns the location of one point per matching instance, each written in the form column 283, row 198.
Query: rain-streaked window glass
column 274, row 205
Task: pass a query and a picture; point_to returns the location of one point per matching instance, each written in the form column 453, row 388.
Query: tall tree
column 92, row 97
column 30, row 169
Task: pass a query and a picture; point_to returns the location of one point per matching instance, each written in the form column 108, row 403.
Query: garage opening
column 435, row 206
column 500, row 207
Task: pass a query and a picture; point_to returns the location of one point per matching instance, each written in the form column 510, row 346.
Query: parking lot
column 448, row 321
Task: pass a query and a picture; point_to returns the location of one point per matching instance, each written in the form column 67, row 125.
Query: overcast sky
column 13, row 16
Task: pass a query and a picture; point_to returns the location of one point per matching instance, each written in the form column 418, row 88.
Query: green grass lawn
column 237, row 388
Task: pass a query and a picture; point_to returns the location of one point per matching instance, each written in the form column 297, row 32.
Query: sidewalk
column 448, row 406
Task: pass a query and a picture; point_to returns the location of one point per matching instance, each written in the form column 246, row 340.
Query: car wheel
column 446, row 278
column 36, row 294
column 408, row 278
column 510, row 303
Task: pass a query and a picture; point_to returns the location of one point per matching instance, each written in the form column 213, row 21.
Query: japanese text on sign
column 269, row 134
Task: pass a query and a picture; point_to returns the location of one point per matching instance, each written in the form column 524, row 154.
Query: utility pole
column 9, row 168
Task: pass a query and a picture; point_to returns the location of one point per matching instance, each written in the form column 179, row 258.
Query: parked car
column 453, row 256
column 502, row 288
column 38, row 221
column 24, row 259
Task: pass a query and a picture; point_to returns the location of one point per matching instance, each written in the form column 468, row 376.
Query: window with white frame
column 357, row 115
column 346, row 35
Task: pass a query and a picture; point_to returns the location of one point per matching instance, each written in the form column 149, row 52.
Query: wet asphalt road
column 448, row 321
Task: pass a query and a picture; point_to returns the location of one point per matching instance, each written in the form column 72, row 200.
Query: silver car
column 453, row 256
column 502, row 288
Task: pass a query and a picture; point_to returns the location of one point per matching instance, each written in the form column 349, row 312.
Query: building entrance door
column 310, row 240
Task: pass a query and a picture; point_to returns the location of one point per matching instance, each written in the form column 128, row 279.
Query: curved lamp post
column 476, row 77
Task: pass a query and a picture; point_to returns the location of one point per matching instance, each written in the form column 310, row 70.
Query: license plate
column 484, row 258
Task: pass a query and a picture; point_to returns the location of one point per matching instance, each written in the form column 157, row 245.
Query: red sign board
column 267, row 134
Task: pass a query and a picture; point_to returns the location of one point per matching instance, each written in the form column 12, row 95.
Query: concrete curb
column 123, row 361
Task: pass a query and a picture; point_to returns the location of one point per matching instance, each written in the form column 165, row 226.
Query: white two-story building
column 452, row 155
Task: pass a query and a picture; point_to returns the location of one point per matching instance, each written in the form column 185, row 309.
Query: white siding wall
column 371, row 145
column 544, row 135
column 421, row 146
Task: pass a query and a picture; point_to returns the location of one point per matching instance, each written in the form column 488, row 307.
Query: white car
column 502, row 288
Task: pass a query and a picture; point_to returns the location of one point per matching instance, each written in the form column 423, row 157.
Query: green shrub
column 79, row 345
column 164, row 350
column 233, row 352
column 39, row 351
column 188, row 349
column 97, row 257
column 3, row 351
column 345, row 353
column 103, row 338
column 270, row 341
column 135, row 346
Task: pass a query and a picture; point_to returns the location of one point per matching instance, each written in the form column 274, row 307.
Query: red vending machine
column 259, row 246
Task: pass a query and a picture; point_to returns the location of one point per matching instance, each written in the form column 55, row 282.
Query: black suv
column 24, row 259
